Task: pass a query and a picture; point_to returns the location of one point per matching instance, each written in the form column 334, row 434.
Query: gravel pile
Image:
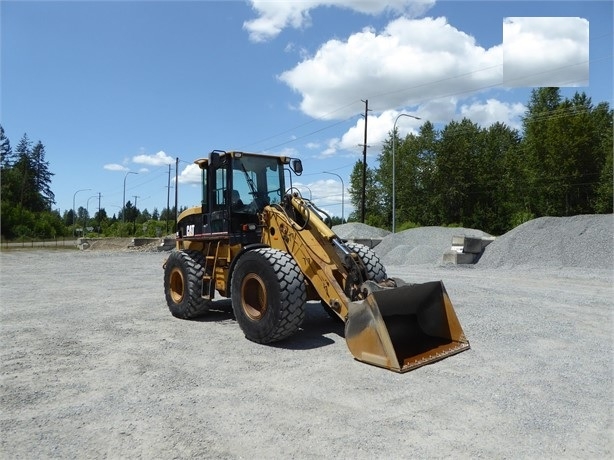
column 423, row 245
column 584, row 241
column 357, row 230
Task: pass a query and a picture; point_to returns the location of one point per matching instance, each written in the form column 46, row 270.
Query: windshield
column 257, row 178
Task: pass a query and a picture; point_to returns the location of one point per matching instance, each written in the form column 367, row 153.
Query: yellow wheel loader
column 256, row 240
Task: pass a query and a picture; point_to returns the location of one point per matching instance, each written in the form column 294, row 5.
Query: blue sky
column 115, row 87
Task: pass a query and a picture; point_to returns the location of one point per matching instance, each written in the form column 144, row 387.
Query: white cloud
column 115, row 167
column 273, row 17
column 545, row 51
column 327, row 194
column 379, row 127
column 425, row 67
column 191, row 174
column 159, row 159
column 492, row 111
column 411, row 61
column 312, row 145
column 332, row 147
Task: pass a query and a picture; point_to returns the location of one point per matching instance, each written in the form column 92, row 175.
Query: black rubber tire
column 375, row 269
column 183, row 274
column 268, row 295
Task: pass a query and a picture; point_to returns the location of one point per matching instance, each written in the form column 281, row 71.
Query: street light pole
column 87, row 210
column 73, row 208
column 310, row 194
column 394, row 184
column 342, row 194
column 124, row 200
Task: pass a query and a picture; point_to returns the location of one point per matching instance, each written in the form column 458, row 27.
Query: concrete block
column 168, row 244
column 143, row 241
column 458, row 241
column 487, row 240
column 472, row 245
column 453, row 257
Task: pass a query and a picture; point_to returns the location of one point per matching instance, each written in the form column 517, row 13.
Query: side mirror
column 297, row 167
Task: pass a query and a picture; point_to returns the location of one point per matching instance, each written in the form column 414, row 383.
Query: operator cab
column 236, row 187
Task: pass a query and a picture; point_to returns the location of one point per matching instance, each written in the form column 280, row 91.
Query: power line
column 423, row 100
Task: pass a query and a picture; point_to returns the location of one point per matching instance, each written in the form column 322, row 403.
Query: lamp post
column 87, row 207
column 310, row 194
column 394, row 138
column 124, row 200
column 342, row 194
column 73, row 208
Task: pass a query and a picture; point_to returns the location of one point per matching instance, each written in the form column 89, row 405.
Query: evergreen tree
column 144, row 216
column 602, row 120
column 68, row 217
column 499, row 182
column 168, row 214
column 375, row 210
column 567, row 143
column 101, row 215
column 8, row 176
column 408, row 178
column 23, row 169
column 42, row 179
column 455, row 177
column 6, row 153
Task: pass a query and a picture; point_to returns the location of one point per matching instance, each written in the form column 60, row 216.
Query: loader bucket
column 404, row 328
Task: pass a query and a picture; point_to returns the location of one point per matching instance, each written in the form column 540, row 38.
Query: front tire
column 268, row 295
column 183, row 275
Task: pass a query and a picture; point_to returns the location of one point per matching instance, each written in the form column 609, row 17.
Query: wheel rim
column 176, row 285
column 253, row 295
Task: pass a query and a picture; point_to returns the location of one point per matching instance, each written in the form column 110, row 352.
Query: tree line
column 27, row 202
column 495, row 178
column 491, row 179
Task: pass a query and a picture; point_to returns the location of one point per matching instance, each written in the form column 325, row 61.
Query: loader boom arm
column 333, row 272
column 399, row 328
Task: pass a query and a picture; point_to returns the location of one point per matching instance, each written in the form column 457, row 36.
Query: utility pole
column 364, row 166
column 168, row 197
column 135, row 215
column 176, row 189
column 99, row 195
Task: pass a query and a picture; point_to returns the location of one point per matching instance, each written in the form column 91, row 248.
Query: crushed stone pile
column 118, row 244
column 584, row 241
column 422, row 245
column 105, row 244
column 357, row 230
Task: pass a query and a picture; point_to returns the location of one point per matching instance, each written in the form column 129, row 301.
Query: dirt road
column 94, row 366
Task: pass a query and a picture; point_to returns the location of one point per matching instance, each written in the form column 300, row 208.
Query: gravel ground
column 94, row 365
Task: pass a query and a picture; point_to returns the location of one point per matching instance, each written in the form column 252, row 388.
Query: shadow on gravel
column 312, row 334
column 220, row 310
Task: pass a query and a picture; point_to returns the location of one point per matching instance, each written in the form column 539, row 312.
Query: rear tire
column 183, row 275
column 268, row 295
column 375, row 269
